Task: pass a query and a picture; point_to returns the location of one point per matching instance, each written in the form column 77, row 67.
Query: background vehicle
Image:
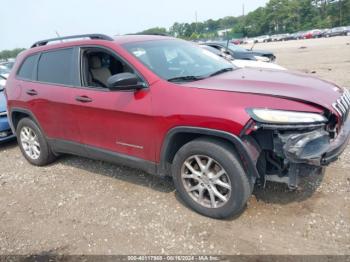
column 299, row 35
column 316, row 33
column 279, row 37
column 243, row 63
column 337, row 31
column 5, row 68
column 143, row 101
column 237, row 41
column 5, row 130
column 241, row 53
column 263, row 39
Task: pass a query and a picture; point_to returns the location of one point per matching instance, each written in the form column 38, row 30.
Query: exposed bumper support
column 315, row 147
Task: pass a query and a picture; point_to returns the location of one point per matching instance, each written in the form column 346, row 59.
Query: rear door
column 49, row 96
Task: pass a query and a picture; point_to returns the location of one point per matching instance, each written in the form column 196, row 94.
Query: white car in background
column 2, row 82
column 262, row 39
column 256, row 64
column 5, row 68
column 243, row 63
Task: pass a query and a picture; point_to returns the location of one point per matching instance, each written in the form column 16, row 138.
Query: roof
column 91, row 37
column 139, row 38
column 95, row 39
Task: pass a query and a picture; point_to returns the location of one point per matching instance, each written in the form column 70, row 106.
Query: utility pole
column 340, row 12
column 196, row 19
column 243, row 13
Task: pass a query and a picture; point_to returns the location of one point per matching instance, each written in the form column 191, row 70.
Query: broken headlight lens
column 272, row 116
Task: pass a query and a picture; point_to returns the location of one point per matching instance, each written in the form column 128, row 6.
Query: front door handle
column 32, row 92
column 83, row 99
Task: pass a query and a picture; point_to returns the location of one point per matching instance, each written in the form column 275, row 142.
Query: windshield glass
column 176, row 59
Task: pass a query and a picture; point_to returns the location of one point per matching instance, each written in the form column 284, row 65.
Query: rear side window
column 27, row 68
column 57, row 67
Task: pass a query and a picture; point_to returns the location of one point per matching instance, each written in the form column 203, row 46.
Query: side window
column 57, row 67
column 98, row 65
column 26, row 70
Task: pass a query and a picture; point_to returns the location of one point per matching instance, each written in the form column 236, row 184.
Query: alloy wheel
column 206, row 181
column 30, row 143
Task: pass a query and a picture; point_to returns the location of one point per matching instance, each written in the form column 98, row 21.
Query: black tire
column 46, row 156
column 224, row 155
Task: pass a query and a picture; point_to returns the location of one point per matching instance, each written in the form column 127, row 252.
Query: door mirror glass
column 124, row 81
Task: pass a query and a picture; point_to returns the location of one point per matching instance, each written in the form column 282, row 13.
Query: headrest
column 95, row 62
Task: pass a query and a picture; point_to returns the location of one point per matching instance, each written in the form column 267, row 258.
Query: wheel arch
column 16, row 114
column 179, row 136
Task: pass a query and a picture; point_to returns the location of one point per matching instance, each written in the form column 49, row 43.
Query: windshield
column 176, row 59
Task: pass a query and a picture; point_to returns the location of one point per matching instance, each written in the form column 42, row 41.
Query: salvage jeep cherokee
column 169, row 107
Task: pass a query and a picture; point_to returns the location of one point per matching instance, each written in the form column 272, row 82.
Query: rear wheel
column 33, row 143
column 210, row 179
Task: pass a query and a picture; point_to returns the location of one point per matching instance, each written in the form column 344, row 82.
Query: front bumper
column 315, row 147
column 5, row 130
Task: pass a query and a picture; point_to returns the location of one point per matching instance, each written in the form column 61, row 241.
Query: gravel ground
column 81, row 206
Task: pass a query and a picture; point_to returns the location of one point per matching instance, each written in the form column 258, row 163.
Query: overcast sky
column 25, row 21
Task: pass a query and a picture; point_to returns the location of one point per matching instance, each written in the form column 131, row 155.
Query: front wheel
column 210, row 178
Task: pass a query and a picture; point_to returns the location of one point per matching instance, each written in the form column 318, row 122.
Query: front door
column 113, row 121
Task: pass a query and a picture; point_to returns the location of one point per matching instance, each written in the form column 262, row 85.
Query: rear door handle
column 32, row 92
column 83, row 99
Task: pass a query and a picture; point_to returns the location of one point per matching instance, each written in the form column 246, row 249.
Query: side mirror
column 124, row 82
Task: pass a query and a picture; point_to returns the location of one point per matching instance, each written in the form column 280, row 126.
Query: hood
column 261, row 52
column 280, row 83
column 244, row 56
column 2, row 101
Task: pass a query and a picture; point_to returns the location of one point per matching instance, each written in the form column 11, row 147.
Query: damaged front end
column 288, row 151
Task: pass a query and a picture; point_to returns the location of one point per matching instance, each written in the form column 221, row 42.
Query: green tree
column 278, row 16
column 155, row 30
column 5, row 54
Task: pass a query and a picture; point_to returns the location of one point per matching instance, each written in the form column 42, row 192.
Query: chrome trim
column 336, row 109
column 342, row 105
column 129, row 145
column 3, row 114
column 345, row 102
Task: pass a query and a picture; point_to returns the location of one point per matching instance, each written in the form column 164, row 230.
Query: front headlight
column 272, row 116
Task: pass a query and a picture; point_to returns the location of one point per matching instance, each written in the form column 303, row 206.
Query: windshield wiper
column 221, row 71
column 185, row 78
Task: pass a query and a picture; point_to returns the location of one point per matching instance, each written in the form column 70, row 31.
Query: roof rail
column 157, row 34
column 91, row 36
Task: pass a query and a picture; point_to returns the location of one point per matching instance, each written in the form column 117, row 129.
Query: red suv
column 169, row 107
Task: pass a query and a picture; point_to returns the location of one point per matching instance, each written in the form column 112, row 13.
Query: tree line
column 278, row 16
column 5, row 54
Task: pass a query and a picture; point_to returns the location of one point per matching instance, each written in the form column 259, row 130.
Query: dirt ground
column 81, row 206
